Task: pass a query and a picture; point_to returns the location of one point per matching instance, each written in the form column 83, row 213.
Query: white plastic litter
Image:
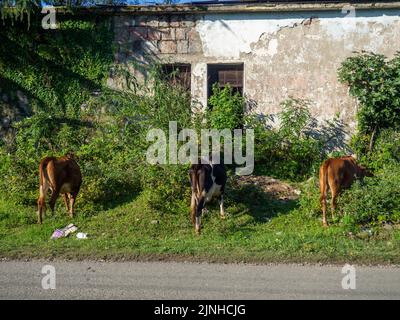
column 81, row 235
column 65, row 232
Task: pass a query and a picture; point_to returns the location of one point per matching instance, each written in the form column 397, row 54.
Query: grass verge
column 258, row 230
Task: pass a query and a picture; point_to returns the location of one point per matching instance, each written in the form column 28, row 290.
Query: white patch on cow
column 214, row 191
column 221, row 207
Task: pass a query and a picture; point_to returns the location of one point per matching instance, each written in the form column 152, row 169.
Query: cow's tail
column 198, row 198
column 43, row 175
column 323, row 187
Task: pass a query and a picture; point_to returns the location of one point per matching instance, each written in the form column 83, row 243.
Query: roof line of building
column 229, row 8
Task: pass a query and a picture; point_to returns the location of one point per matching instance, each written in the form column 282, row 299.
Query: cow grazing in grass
column 208, row 182
column 338, row 174
column 60, row 175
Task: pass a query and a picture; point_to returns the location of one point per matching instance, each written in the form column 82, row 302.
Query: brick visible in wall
column 137, row 33
column 188, row 24
column 183, row 47
column 180, row 33
column 167, row 47
column 153, row 22
column 175, row 22
column 195, row 47
column 193, row 35
column 150, row 47
column 153, row 34
column 163, row 22
column 168, row 34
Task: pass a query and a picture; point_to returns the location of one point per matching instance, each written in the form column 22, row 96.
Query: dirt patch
column 274, row 187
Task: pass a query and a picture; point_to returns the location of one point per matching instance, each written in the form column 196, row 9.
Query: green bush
column 226, row 109
column 374, row 201
column 55, row 77
column 309, row 198
column 375, row 82
column 386, row 149
column 109, row 140
column 70, row 108
column 287, row 151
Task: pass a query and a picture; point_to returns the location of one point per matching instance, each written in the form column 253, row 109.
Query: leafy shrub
column 309, row 197
column 226, row 109
column 287, row 151
column 386, row 149
column 374, row 201
column 48, row 76
column 375, row 82
column 109, row 140
column 70, row 108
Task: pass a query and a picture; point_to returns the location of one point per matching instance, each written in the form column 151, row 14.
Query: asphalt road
column 159, row 280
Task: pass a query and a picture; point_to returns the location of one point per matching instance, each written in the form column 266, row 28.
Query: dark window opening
column 224, row 74
column 178, row 74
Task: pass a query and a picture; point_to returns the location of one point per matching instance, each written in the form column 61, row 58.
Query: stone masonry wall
column 284, row 54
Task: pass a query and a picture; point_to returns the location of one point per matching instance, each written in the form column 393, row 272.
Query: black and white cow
column 208, row 182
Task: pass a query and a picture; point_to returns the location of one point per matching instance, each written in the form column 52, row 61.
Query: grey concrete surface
column 166, row 280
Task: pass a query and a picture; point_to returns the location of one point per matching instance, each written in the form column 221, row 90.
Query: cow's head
column 364, row 172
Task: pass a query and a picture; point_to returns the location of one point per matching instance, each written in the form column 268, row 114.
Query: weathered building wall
column 284, row 54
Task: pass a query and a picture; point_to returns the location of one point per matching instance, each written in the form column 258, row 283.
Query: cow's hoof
column 223, row 217
column 325, row 225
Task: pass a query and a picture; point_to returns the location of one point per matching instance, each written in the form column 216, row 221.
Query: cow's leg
column 43, row 189
column 72, row 199
column 323, row 185
column 199, row 210
column 53, row 199
column 193, row 208
column 221, row 206
column 323, row 204
column 333, row 202
column 66, row 200
column 322, row 200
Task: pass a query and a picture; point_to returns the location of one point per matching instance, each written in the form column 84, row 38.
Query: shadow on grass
column 260, row 205
column 121, row 200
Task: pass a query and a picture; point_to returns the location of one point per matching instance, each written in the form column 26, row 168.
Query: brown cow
column 338, row 173
column 60, row 175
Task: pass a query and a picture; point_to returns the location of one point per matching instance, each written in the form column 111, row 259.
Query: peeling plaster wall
column 284, row 54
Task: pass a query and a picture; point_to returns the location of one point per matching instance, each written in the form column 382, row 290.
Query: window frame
column 218, row 67
column 167, row 70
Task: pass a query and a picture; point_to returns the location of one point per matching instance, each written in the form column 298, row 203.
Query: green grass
column 259, row 229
